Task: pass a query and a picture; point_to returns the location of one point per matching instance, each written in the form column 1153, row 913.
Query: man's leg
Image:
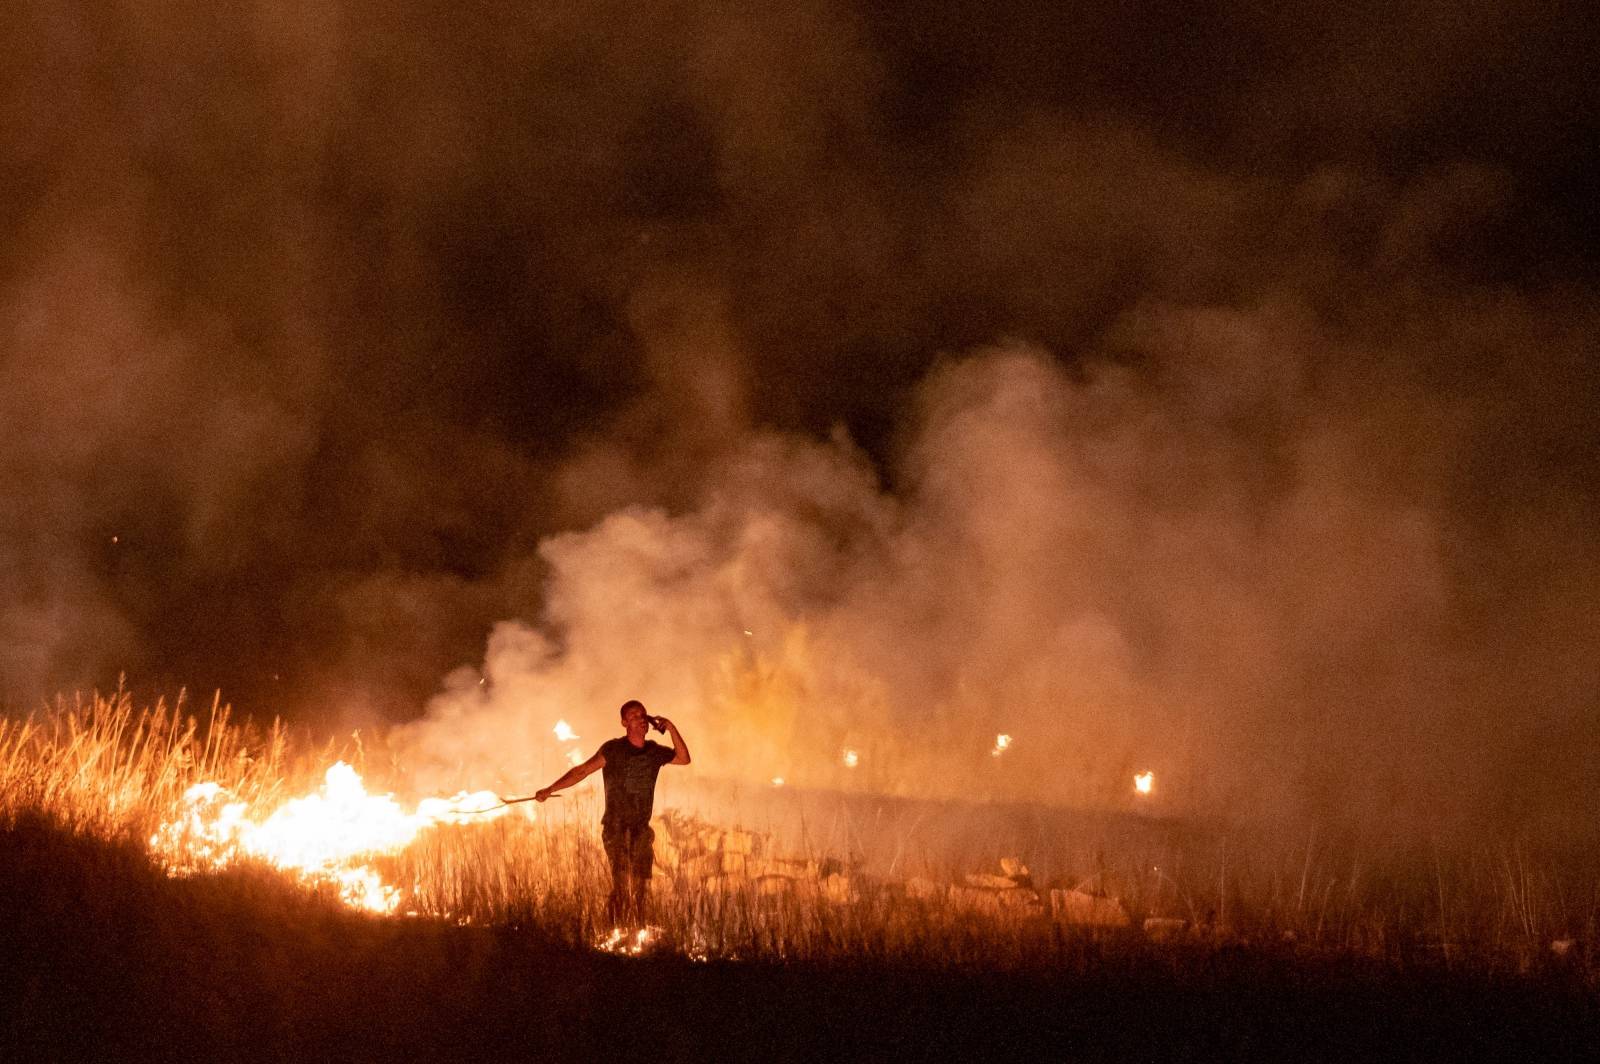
column 642, row 866
column 619, row 854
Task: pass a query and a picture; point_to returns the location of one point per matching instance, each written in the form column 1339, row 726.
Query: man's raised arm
column 575, row 774
column 680, row 749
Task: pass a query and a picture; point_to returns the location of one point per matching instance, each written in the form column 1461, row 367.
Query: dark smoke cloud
column 1241, row 358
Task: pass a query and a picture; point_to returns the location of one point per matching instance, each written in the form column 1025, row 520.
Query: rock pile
column 724, row 861
column 1080, row 907
column 693, row 855
column 1008, row 893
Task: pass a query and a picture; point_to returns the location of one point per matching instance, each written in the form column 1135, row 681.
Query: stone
column 1020, row 901
column 770, row 886
column 700, row 866
column 1013, row 868
column 1088, row 910
column 1165, row 928
column 793, row 867
column 838, row 888
column 985, row 881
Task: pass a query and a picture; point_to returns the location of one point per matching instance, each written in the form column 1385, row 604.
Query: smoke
column 1256, row 562
column 1209, row 392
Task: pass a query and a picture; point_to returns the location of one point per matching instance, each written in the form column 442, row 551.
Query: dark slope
column 102, row 957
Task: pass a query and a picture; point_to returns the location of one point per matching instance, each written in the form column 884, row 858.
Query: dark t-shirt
column 630, row 779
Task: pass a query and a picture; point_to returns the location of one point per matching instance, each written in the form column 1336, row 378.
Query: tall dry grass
column 105, row 768
column 101, row 767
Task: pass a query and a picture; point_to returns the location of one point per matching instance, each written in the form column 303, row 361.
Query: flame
column 564, row 732
column 627, row 943
column 1001, row 743
column 777, row 781
column 575, row 756
column 851, row 758
column 320, row 836
column 1144, row 782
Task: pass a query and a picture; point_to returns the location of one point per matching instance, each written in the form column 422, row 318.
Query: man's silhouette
column 630, row 764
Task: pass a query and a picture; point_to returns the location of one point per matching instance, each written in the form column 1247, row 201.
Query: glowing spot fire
column 851, row 758
column 320, row 836
column 1144, row 782
column 627, row 943
column 564, row 732
column 777, row 781
column 1001, row 743
column 575, row 756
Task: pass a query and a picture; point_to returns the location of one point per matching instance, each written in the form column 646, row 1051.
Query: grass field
column 1326, row 949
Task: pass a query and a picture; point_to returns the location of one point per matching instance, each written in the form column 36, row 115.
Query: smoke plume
column 1257, row 561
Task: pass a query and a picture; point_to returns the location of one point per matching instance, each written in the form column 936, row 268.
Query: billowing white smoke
column 1199, row 570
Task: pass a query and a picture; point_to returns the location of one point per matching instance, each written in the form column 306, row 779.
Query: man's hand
column 680, row 749
column 542, row 794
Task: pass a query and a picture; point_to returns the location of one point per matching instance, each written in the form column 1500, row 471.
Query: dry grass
column 105, row 769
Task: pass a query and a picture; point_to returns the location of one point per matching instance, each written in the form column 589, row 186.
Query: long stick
column 524, row 798
column 502, row 804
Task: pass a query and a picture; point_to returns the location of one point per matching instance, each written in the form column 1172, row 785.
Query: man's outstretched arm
column 575, row 774
column 680, row 749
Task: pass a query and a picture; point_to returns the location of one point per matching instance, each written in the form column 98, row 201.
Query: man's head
column 635, row 720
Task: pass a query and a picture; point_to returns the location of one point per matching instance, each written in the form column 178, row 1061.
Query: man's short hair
column 632, row 703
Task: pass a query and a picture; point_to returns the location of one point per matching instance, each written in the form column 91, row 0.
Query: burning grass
column 202, row 795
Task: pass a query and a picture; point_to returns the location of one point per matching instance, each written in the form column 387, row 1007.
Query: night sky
column 316, row 320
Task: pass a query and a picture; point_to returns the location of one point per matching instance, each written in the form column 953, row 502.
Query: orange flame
column 320, row 836
column 627, row 943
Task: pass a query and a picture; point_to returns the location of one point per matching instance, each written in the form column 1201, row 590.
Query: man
column 630, row 764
